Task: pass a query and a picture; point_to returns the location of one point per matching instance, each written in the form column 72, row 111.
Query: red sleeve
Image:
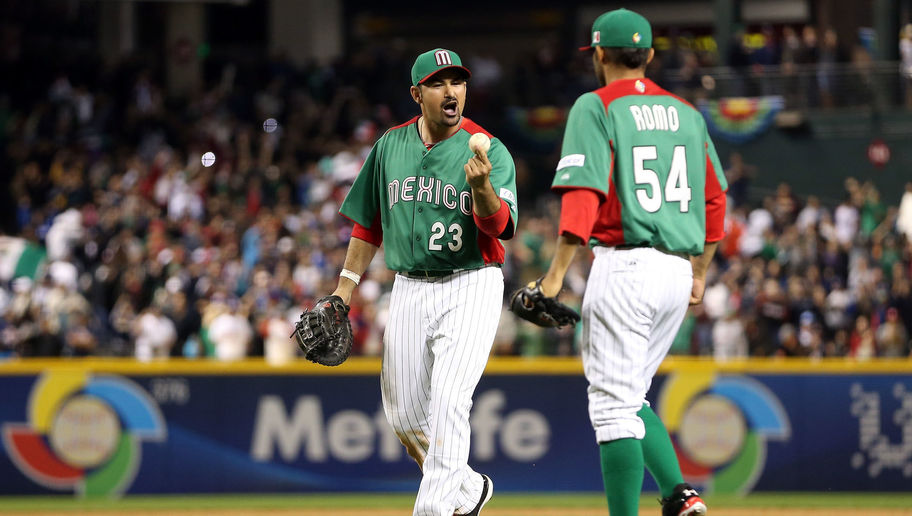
column 372, row 235
column 715, row 205
column 493, row 225
column 579, row 209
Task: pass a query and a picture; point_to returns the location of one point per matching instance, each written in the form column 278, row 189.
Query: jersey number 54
column 676, row 187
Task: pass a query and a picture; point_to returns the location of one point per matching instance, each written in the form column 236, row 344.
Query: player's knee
column 415, row 442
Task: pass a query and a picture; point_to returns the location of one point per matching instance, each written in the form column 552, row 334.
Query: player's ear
column 416, row 94
column 652, row 54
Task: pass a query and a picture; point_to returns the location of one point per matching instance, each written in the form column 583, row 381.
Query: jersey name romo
column 655, row 118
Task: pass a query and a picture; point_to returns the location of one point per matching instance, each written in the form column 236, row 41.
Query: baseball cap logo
column 443, row 58
column 636, row 37
column 596, row 37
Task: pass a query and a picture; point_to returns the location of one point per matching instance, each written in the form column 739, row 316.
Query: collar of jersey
column 462, row 120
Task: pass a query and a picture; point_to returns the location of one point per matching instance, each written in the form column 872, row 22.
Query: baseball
column 208, row 159
column 479, row 142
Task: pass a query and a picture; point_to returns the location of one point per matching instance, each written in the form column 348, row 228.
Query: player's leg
column 622, row 475
column 670, row 289
column 405, row 375
column 468, row 307
column 616, row 324
column 658, row 450
column 659, row 453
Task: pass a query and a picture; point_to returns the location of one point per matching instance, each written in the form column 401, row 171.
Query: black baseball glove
column 324, row 332
column 532, row 305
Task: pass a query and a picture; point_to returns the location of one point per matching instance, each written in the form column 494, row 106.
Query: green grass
column 63, row 503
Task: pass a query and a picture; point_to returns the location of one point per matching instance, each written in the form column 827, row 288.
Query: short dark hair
column 632, row 58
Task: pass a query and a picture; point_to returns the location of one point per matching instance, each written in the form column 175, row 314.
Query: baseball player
column 440, row 211
column 641, row 183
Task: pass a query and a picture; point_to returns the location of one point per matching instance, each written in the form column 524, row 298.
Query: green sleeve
column 586, row 153
column 503, row 176
column 362, row 202
column 714, row 159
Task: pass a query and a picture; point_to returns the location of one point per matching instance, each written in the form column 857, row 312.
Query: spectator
column 862, row 344
column 845, row 221
column 892, row 337
column 829, row 56
column 729, row 337
column 759, row 223
column 154, row 333
column 79, row 340
column 904, row 215
column 873, row 211
column 905, row 56
column 739, row 175
column 810, row 215
column 231, row 334
column 278, row 348
column 789, row 346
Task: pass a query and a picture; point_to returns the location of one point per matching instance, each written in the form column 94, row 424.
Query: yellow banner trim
column 551, row 366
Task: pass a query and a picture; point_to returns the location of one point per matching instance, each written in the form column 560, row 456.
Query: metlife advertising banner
column 112, row 430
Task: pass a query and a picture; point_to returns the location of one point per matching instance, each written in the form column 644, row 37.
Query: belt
column 429, row 274
column 625, row 247
column 424, row 274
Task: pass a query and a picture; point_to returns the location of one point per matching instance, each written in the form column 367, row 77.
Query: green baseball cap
column 620, row 28
column 433, row 61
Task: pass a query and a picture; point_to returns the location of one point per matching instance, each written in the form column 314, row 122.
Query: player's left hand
column 478, row 169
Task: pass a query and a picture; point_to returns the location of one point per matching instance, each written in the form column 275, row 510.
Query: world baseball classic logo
column 720, row 426
column 84, row 433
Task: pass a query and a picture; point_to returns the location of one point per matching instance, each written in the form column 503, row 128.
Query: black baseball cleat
column 684, row 501
column 487, row 490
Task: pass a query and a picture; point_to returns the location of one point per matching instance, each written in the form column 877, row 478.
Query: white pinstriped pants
column 436, row 346
column 634, row 304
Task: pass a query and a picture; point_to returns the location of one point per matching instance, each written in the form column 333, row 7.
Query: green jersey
column 424, row 201
column 648, row 155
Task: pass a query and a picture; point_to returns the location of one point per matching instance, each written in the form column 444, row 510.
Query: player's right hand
column 478, row 169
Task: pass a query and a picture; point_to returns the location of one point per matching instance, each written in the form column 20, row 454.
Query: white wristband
column 350, row 275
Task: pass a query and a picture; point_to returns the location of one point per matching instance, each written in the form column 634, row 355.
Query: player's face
column 442, row 98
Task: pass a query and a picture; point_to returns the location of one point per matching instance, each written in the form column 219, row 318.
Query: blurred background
column 123, row 236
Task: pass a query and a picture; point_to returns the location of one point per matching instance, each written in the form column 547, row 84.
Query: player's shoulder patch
column 571, row 160
column 508, row 196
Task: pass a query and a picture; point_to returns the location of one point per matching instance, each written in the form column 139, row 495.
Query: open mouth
column 449, row 107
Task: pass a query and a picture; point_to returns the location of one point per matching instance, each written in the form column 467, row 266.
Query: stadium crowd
column 152, row 254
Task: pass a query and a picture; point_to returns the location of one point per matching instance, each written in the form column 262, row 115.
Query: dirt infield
column 492, row 511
